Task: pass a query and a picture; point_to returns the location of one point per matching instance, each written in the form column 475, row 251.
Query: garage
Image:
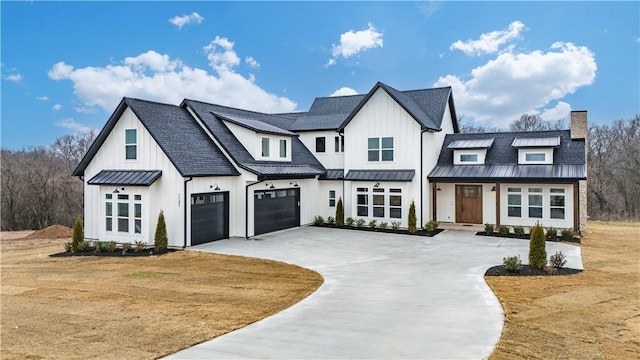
column 209, row 217
column 276, row 210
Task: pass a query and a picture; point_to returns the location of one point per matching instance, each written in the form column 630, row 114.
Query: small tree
column 78, row 235
column 412, row 218
column 160, row 240
column 339, row 213
column 537, row 247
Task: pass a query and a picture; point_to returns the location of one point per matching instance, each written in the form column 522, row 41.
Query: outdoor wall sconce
column 216, row 185
column 295, row 184
column 376, row 185
column 270, row 186
column 116, row 191
column 493, row 188
column 438, row 188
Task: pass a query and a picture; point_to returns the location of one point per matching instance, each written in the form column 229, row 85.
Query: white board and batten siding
column 330, row 158
column 164, row 194
column 323, row 201
column 252, row 142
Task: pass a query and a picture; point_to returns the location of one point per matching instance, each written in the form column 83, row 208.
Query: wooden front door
column 469, row 204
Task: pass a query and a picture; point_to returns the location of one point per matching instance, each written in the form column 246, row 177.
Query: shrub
column 83, row 245
column 111, row 246
column 98, row 246
column 558, row 260
column 359, row 222
column 67, row 246
column 567, row 234
column 383, row 225
column 537, row 250
column 504, row 230
column 319, row 220
column 412, row 218
column 395, row 225
column 518, row 230
column 512, row 263
column 349, row 221
column 78, row 234
column 331, row 220
column 139, row 246
column 488, row 228
column 160, row 239
column 431, row 225
column 552, row 233
column 373, row 223
column 339, row 212
column 126, row 247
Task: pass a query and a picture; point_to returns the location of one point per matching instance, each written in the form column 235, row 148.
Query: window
column 320, row 144
column 514, row 202
column 332, row 198
column 468, row 157
column 376, row 152
column 535, row 157
column 338, row 144
column 137, row 214
column 395, row 204
column 122, row 209
column 362, row 202
column 378, row 202
column 556, row 202
column 131, row 144
column 535, row 203
column 123, row 213
column 283, row 148
column 265, row 147
column 109, row 212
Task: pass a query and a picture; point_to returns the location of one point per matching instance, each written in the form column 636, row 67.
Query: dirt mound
column 52, row 232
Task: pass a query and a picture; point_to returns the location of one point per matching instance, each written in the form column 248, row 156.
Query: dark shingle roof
column 301, row 158
column 255, row 125
column 184, row 142
column 502, row 158
column 126, row 177
column 380, row 175
column 327, row 113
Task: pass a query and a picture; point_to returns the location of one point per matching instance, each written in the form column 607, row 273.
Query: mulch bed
column 527, row 236
column 117, row 253
column 388, row 231
column 526, row 270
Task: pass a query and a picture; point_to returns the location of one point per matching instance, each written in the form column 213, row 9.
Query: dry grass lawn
column 134, row 308
column 592, row 315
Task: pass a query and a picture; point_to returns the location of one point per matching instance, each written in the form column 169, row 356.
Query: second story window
column 131, row 144
column 468, row 158
column 380, row 149
column 265, row 147
column 535, row 157
column 339, row 144
column 283, row 148
column 320, row 144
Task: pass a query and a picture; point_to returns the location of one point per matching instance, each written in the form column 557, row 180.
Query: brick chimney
column 580, row 130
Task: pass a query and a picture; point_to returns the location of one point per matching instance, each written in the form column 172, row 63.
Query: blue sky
column 66, row 65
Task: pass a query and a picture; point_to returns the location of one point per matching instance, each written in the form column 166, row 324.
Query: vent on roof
column 536, row 142
column 471, row 144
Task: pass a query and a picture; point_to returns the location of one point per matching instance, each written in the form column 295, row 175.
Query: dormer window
column 470, row 152
column 533, row 157
column 466, row 158
column 265, row 147
column 131, row 144
column 536, row 150
column 283, row 148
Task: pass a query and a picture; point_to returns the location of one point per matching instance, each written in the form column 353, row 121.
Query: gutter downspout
column 343, row 172
column 184, row 245
column 246, row 207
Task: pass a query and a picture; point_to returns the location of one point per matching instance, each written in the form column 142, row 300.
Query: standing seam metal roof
column 126, row 177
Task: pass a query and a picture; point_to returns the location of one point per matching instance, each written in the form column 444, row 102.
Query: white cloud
column 43, row 98
column 489, row 42
column 57, row 107
column 343, row 91
column 355, row 42
column 157, row 77
column 510, row 85
column 14, row 77
column 251, row 62
column 183, row 20
column 562, row 110
column 85, row 109
column 71, row 124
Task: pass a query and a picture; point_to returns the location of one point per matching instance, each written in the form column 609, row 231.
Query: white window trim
column 136, row 144
column 381, row 149
column 387, row 203
column 131, row 218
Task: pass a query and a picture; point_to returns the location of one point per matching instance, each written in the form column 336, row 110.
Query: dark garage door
column 276, row 210
column 209, row 217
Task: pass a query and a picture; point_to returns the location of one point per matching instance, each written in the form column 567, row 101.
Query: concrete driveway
column 384, row 296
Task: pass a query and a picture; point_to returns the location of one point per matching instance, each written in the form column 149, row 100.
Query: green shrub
column 395, row 225
column 83, row 245
column 518, row 230
column 331, row 220
column 126, row 247
column 567, row 234
column 552, row 233
column 98, row 247
column 504, row 230
column 78, row 234
column 67, row 246
column 319, row 220
column 488, row 228
column 558, row 260
column 160, row 239
column 373, row 223
column 349, row 221
column 359, row 222
column 339, row 213
column 111, row 246
column 537, row 247
column 139, row 246
column 383, row 225
column 412, row 218
column 431, row 225
column 512, row 263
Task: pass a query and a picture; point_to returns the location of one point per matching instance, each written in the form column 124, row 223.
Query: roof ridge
column 126, row 98
column 237, row 108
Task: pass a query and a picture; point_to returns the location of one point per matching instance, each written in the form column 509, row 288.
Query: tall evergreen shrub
column 537, row 247
column 160, row 240
column 339, row 213
column 412, row 218
column 78, row 235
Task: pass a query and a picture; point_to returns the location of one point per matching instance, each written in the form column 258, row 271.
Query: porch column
column 434, row 202
column 576, row 208
column 497, row 205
